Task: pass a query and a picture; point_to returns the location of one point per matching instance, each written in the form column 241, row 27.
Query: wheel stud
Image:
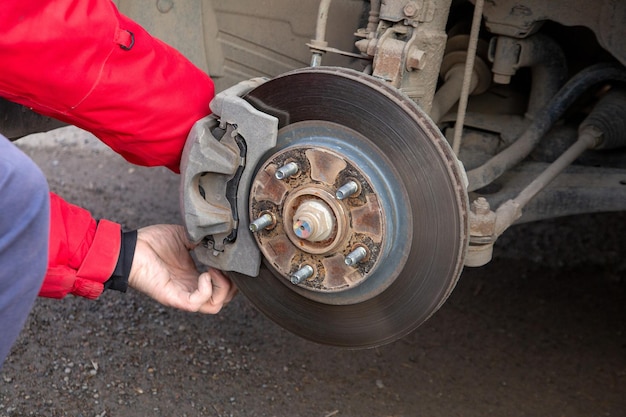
column 356, row 256
column 261, row 223
column 286, row 171
column 346, row 190
column 301, row 274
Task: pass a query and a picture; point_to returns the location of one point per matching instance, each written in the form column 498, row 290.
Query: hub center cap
column 313, row 221
column 319, row 222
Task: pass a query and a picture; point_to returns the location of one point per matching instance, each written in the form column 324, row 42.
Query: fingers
column 214, row 291
column 173, row 279
column 223, row 288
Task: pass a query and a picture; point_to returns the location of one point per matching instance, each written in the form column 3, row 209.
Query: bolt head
column 410, row 9
column 415, row 59
column 481, row 206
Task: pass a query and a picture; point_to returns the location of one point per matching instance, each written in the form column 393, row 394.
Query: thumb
column 203, row 293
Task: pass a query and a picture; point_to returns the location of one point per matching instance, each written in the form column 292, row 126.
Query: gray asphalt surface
column 541, row 331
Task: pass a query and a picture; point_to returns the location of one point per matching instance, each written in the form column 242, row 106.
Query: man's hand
column 163, row 269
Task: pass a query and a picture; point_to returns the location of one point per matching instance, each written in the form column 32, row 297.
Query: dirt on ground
column 540, row 331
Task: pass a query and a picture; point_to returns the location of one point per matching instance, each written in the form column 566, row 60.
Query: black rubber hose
column 549, row 71
column 543, row 122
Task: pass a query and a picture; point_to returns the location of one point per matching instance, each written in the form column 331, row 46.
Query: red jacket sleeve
column 82, row 253
column 82, row 62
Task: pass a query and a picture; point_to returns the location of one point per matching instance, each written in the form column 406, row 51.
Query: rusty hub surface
column 313, row 227
column 366, row 238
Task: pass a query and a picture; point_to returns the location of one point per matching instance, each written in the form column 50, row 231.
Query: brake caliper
column 217, row 167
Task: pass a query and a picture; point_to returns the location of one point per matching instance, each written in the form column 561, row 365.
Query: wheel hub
column 324, row 211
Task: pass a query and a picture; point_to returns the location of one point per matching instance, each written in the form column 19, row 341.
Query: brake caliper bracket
column 217, row 166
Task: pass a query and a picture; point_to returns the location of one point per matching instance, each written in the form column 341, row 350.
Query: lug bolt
column 410, row 9
column 261, row 223
column 356, row 256
column 346, row 190
column 287, row 171
column 302, row 274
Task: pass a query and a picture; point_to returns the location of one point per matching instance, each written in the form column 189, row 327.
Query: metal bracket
column 217, row 165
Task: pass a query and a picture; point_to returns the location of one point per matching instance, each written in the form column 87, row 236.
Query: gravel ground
column 541, row 331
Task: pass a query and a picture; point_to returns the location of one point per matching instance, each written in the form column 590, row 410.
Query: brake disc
column 360, row 211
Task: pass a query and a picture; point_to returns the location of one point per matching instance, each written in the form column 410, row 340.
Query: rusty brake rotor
column 360, row 211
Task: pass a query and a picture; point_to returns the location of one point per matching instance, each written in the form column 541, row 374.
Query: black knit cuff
column 119, row 278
